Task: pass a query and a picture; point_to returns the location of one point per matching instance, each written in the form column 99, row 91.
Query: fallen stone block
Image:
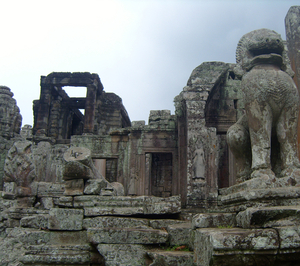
column 65, row 219
column 204, row 220
column 29, row 236
column 289, row 237
column 235, row 247
column 66, row 201
column 120, row 254
column 174, row 258
column 255, row 198
column 36, row 221
column 126, row 236
column 163, row 223
column 114, row 222
column 47, row 202
column 74, row 187
column 94, row 186
column 269, row 217
column 47, row 189
column 179, row 234
column 100, row 211
column 67, row 238
column 157, row 205
column 127, row 205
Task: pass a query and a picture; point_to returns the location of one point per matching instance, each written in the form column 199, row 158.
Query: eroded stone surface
column 179, row 234
column 174, row 258
column 204, row 220
column 235, row 246
column 127, row 236
column 266, row 217
column 115, row 222
column 120, row 254
column 65, row 219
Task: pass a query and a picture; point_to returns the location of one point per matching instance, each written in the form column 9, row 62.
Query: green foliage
column 224, row 226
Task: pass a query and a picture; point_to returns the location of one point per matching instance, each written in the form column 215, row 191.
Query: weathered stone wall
column 10, row 125
column 206, row 107
column 110, row 114
column 129, row 148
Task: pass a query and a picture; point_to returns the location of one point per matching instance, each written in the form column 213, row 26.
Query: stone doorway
column 159, row 169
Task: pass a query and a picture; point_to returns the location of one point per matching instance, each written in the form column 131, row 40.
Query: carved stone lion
column 264, row 140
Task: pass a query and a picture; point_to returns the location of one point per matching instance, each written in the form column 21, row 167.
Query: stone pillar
column 292, row 28
column 42, row 114
column 90, row 105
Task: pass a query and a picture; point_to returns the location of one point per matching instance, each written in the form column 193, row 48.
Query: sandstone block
column 65, row 219
column 120, row 254
column 74, row 187
column 114, row 222
column 57, row 255
column 10, row 187
column 37, row 221
column 126, row 236
column 269, row 217
column 127, row 205
column 156, row 205
column 47, row 202
column 163, row 223
column 94, row 186
column 47, row 189
column 174, row 258
column 289, row 238
column 179, row 234
column 235, row 246
column 66, row 201
column 204, row 220
column 29, row 236
column 67, row 238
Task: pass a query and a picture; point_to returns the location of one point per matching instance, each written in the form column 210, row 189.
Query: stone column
column 41, row 123
column 292, row 28
column 90, row 105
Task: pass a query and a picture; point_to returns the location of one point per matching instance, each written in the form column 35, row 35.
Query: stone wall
column 207, row 106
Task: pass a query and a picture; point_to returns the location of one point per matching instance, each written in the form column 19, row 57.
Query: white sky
column 144, row 51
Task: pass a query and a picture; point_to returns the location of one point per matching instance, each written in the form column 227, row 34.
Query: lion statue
column 264, row 139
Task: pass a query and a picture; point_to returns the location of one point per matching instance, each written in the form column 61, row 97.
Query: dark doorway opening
column 160, row 167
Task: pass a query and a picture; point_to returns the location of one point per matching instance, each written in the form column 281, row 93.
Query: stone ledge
column 126, row 236
column 127, row 205
column 174, row 258
column 266, row 217
column 241, row 200
column 235, row 247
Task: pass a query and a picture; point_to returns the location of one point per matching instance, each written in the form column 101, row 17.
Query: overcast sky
column 144, row 51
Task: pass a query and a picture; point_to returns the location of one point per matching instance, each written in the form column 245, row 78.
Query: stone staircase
column 91, row 230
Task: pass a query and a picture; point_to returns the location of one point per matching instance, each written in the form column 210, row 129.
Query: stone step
column 57, row 254
column 128, row 222
column 127, row 205
column 127, row 236
column 235, row 246
column 241, row 200
column 174, row 258
column 179, row 234
column 115, row 222
column 264, row 217
column 205, row 220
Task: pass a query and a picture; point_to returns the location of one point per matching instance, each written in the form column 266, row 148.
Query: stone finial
column 10, row 118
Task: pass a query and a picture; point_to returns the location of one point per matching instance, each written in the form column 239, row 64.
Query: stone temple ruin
column 218, row 183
